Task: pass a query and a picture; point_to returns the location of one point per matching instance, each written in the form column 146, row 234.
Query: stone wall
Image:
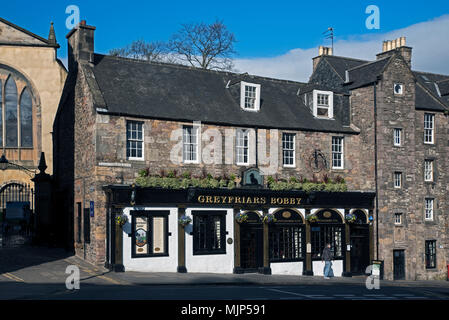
column 38, row 63
column 398, row 111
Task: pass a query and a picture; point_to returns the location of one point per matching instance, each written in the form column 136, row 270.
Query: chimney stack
column 322, row 51
column 80, row 44
column 389, row 47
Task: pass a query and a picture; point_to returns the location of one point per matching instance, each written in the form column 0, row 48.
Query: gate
column 17, row 213
column 16, row 192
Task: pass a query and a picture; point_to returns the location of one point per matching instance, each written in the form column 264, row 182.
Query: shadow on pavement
column 19, row 257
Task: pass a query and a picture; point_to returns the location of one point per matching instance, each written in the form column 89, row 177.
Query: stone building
column 31, row 82
column 122, row 121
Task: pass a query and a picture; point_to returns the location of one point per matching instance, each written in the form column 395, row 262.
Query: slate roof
column 175, row 92
column 436, row 84
column 366, row 73
column 429, row 86
column 444, row 87
column 425, row 101
column 341, row 64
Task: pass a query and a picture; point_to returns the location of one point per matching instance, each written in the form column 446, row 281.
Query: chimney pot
column 320, row 50
column 403, row 41
column 398, row 45
column 82, row 22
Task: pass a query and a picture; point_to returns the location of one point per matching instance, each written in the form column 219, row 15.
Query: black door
column 359, row 248
column 398, row 264
column 251, row 247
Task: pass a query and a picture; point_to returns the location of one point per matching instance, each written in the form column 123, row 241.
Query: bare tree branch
column 205, row 46
column 141, row 50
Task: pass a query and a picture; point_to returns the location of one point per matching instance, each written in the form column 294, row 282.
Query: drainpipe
column 257, row 145
column 375, row 169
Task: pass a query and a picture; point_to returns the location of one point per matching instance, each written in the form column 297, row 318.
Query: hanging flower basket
column 350, row 218
column 184, row 220
column 269, row 218
column 241, row 217
column 312, row 218
column 121, row 220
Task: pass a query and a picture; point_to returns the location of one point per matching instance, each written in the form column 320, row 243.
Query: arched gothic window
column 26, row 120
column 16, row 112
column 11, row 113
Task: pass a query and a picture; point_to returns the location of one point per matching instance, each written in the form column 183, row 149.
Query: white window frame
column 243, row 96
column 428, row 209
column 397, row 137
column 398, row 218
column 428, row 170
column 395, row 177
column 142, row 141
column 402, row 89
column 284, row 142
column 185, row 143
column 341, row 152
column 241, row 148
column 429, row 131
column 330, row 95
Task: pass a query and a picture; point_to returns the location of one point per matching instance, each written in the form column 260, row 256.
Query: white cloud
column 428, row 39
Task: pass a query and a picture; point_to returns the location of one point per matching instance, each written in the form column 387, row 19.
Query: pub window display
column 149, row 233
column 328, row 229
column 287, row 237
column 209, row 232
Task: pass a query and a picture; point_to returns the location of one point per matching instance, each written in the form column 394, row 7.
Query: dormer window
column 250, row 96
column 323, row 104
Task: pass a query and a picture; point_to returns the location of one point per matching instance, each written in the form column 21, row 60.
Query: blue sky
column 264, row 29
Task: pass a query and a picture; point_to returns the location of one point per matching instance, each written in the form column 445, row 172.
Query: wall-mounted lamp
column 5, row 164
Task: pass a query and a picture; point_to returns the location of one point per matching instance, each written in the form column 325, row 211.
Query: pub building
column 153, row 240
column 355, row 157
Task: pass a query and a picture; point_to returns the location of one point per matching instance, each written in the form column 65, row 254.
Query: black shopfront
column 303, row 224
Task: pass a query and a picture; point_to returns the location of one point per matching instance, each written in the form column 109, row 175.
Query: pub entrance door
column 359, row 248
column 398, row 265
column 251, row 244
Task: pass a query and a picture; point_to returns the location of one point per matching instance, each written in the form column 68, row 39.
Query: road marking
column 344, row 295
column 109, row 279
column 93, row 273
column 12, row 277
column 289, row 292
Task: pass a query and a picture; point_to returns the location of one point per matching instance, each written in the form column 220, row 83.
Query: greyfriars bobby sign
column 252, row 178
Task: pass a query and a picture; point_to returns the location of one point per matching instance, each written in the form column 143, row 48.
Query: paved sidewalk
column 159, row 278
column 41, row 260
column 190, row 278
